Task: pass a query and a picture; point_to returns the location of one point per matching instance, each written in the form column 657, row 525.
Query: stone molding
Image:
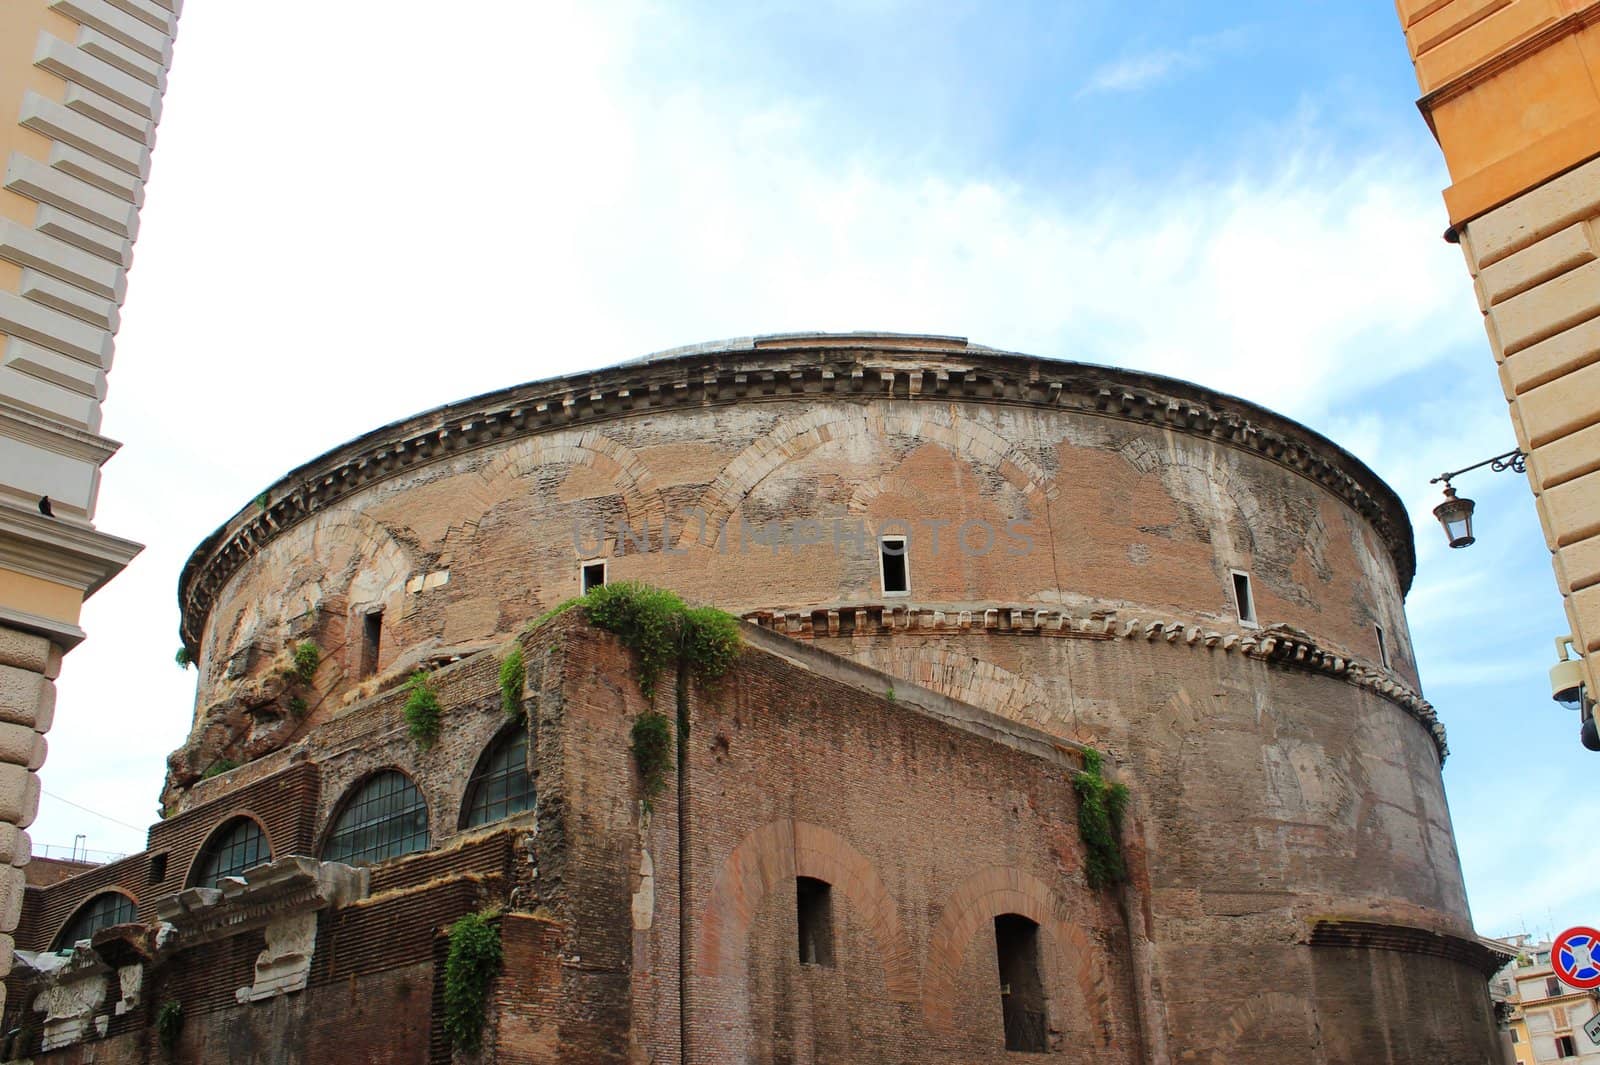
column 857, row 368
column 1408, row 939
column 61, row 551
column 1279, row 645
column 265, row 894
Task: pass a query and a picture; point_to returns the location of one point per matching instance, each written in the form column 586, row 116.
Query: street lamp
column 1456, row 514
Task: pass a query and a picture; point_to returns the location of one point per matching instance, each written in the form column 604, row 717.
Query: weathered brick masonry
column 872, row 830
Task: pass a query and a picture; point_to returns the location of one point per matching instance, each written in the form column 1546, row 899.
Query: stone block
column 1573, row 509
column 12, row 885
column 1542, row 312
column 15, row 846
column 1535, row 214
column 1548, row 360
column 1584, row 610
column 1563, row 406
column 19, row 795
column 1561, row 460
column 26, row 698
column 19, row 745
column 1551, row 257
column 23, row 650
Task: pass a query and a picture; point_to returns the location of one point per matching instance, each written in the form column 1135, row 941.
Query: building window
column 1515, row 1038
column 814, row 917
column 500, row 786
column 371, row 639
column 158, row 867
column 1243, row 601
column 594, row 575
column 1566, row 1047
column 384, row 818
column 1383, row 648
column 102, row 911
column 1552, row 987
column 1016, row 941
column 236, row 846
column 893, row 565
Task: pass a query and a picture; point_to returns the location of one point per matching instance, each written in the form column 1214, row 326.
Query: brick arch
column 109, row 889
column 794, row 437
column 1147, row 458
column 227, row 819
column 781, row 851
column 979, row 900
column 1247, row 1016
column 585, row 447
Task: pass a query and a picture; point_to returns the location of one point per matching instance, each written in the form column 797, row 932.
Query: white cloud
column 1140, row 70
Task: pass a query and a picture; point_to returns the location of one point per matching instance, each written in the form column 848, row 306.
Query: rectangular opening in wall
column 1022, row 1001
column 893, row 565
column 1243, row 601
column 371, row 638
column 1566, row 1046
column 1552, row 987
column 1383, row 648
column 158, row 867
column 814, row 916
column 594, row 575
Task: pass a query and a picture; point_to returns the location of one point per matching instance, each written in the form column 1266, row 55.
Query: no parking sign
column 1575, row 955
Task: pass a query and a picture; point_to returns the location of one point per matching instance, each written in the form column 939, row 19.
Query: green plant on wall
column 652, row 751
column 662, row 629
column 422, row 709
column 1101, row 805
column 513, row 676
column 473, row 961
column 182, row 657
column 307, row 657
column 169, row 1024
column 219, row 767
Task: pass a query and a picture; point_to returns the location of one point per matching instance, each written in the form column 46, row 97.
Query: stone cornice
column 55, row 549
column 1277, row 646
column 1407, row 939
column 856, row 367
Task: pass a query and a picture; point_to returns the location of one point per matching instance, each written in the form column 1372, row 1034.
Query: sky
column 354, row 218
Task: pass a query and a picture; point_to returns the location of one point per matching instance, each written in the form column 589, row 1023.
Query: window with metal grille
column 384, row 818
column 102, row 911
column 500, row 786
column 236, row 846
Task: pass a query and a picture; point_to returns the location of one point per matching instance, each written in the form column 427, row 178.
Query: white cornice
column 54, row 549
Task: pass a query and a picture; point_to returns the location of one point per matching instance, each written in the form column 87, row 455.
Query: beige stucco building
column 1511, row 89
column 81, row 83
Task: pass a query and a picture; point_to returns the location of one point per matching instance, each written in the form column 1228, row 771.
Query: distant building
column 1544, row 1016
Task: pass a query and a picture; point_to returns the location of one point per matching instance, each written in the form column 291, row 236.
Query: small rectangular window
column 1242, row 599
column 1566, row 1047
column 1022, row 998
column 371, row 639
column 814, row 916
column 1514, row 1037
column 894, row 566
column 158, row 867
column 1552, row 987
column 1383, row 648
column 594, row 575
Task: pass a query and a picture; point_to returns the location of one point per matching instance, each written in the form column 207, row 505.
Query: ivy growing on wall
column 513, row 676
column 169, row 1024
column 652, row 751
column 661, row 629
column 422, row 709
column 473, row 961
column 1101, row 805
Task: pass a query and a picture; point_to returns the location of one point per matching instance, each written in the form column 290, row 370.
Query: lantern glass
column 1456, row 517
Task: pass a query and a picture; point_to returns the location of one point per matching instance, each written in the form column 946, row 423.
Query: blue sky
column 351, row 220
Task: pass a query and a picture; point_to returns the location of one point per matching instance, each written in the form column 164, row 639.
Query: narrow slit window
column 371, row 640
column 894, row 565
column 1022, row 1000
column 158, row 867
column 814, row 916
column 594, row 575
column 1383, row 648
column 1242, row 599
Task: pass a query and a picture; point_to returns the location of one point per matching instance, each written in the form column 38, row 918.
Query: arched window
column 238, row 845
column 500, row 786
column 384, row 817
column 102, row 911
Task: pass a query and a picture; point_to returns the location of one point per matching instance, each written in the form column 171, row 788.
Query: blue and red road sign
column 1576, row 957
